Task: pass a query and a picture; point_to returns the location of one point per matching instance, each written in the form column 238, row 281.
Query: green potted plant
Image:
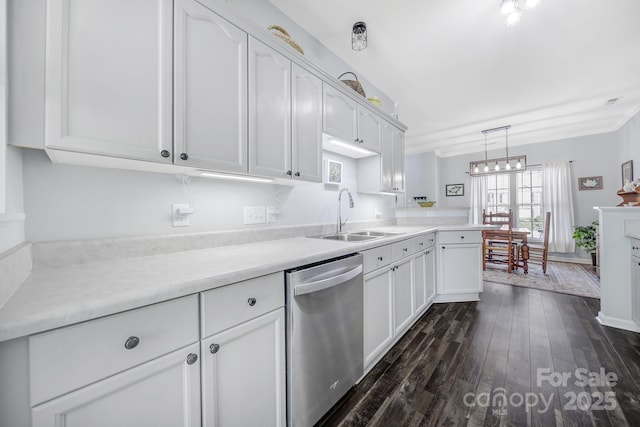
column 585, row 236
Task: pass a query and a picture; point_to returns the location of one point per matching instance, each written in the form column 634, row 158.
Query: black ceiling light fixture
column 359, row 36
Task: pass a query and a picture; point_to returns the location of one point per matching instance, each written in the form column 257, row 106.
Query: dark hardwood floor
column 478, row 364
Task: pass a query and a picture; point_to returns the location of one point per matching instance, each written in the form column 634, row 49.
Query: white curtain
column 558, row 200
column 478, row 198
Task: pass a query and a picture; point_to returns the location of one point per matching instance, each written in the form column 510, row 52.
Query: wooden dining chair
column 499, row 250
column 538, row 254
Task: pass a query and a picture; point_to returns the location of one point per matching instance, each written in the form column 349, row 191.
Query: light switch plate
column 254, row 215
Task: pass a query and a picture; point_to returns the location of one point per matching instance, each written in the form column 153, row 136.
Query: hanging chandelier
column 359, row 36
column 500, row 165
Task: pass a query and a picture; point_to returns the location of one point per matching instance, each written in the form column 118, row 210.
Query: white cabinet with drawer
column 243, row 353
column 107, row 371
column 459, row 265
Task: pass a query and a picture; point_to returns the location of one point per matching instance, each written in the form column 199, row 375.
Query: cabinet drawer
column 66, row 359
column 373, row 259
column 231, row 305
column 462, row 236
column 404, row 248
column 425, row 241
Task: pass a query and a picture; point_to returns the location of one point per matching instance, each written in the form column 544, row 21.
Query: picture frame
column 454, row 190
column 590, row 183
column 333, row 172
column 627, row 172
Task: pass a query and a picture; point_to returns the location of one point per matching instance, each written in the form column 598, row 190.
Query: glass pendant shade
column 514, row 17
column 530, row 4
column 507, row 7
column 359, row 36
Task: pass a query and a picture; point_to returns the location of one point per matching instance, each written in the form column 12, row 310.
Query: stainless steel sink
column 346, row 237
column 356, row 236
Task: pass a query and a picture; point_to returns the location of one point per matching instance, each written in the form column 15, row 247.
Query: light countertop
column 54, row 297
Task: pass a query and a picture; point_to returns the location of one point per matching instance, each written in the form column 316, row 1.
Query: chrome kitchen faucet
column 351, row 205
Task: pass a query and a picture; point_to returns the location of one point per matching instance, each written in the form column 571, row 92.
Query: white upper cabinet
column 386, row 172
column 306, row 106
column 369, row 126
column 340, row 115
column 398, row 160
column 109, row 78
column 349, row 121
column 210, row 90
column 269, row 111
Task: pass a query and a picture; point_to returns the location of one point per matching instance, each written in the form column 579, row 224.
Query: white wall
column 629, row 140
column 12, row 226
column 421, row 176
column 74, row 202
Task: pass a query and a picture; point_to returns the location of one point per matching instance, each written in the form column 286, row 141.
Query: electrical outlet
column 254, row 215
column 272, row 214
column 180, row 219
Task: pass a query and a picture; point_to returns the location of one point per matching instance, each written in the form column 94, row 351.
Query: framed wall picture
column 333, row 172
column 454, row 190
column 590, row 183
column 627, row 172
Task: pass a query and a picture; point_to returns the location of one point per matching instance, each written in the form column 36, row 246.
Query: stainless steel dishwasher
column 324, row 336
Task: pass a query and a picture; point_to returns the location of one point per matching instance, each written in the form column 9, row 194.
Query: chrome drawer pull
column 213, row 348
column 131, row 343
column 252, row 301
column 192, row 358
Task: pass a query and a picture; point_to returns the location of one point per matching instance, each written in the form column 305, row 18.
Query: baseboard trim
column 570, row 260
column 614, row 322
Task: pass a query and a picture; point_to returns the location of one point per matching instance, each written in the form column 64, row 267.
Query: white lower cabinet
column 424, row 279
column 162, row 392
column 243, row 374
column 403, row 294
column 459, row 272
column 378, row 313
column 635, row 284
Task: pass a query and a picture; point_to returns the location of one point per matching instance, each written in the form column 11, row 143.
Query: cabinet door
column 269, row 111
column 403, row 295
column 387, row 156
column 635, row 290
column 378, row 313
column 398, row 160
column 369, row 129
column 460, row 269
column 243, row 374
column 419, row 282
column 340, row 115
column 430, row 274
column 306, row 115
column 210, row 90
column 108, row 78
column 162, row 392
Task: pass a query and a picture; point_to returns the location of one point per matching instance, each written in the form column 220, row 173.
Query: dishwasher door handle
column 320, row 285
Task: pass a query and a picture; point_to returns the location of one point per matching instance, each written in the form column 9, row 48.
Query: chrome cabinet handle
column 404, row 249
column 252, row 301
column 380, row 258
column 184, row 156
column 213, row 348
column 192, row 358
column 297, row 174
column 462, row 237
column 131, row 343
column 165, row 153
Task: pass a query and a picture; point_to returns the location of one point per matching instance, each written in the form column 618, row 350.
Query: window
column 522, row 193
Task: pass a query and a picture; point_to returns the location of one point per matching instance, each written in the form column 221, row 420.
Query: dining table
column 519, row 235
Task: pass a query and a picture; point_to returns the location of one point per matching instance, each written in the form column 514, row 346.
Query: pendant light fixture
column 359, row 36
column 500, row 165
column 512, row 11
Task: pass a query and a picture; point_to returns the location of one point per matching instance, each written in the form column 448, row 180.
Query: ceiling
column 455, row 68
